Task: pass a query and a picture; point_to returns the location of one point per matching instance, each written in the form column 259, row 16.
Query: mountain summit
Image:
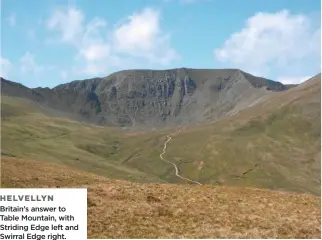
column 154, row 98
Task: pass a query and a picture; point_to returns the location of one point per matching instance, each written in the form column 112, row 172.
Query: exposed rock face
column 152, row 97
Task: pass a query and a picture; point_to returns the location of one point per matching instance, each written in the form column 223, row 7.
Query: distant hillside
column 155, row 98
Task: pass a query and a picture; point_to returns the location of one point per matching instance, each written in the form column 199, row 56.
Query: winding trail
column 174, row 165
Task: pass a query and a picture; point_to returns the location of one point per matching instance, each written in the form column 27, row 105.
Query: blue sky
column 46, row 43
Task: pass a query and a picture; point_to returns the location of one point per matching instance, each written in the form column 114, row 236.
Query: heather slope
column 120, row 209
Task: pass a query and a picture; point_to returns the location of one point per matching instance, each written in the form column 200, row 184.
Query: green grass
column 284, row 145
column 31, row 134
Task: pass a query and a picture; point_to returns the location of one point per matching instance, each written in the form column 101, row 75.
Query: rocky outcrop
column 152, row 97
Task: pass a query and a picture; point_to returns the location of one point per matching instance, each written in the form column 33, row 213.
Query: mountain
column 270, row 140
column 154, row 98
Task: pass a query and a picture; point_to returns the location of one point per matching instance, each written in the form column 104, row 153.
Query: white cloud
column 93, row 31
column 88, row 39
column 99, row 49
column 29, row 65
column 68, row 23
column 272, row 41
column 293, row 80
column 141, row 36
column 139, row 33
column 98, row 58
column 95, row 51
column 12, row 19
column 6, row 67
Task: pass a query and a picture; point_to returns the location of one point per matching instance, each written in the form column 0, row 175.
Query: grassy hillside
column 121, row 209
column 280, row 151
column 27, row 132
column 274, row 144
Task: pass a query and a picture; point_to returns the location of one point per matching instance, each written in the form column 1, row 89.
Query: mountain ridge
column 154, row 98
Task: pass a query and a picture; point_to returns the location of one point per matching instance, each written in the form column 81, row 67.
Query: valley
column 258, row 156
column 273, row 143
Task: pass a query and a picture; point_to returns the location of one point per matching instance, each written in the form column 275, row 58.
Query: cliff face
column 153, row 97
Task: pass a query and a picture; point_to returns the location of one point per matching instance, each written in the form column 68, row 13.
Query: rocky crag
column 154, row 98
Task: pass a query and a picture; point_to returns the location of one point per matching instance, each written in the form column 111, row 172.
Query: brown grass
column 120, row 209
